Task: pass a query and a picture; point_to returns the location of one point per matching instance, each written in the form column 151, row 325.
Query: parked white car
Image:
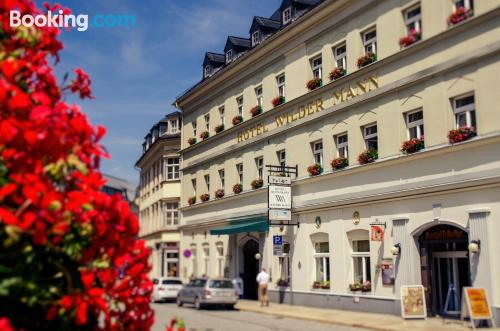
column 166, row 288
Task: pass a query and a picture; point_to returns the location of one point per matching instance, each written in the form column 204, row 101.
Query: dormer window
column 256, row 38
column 287, row 15
column 229, row 56
column 208, row 71
column 173, row 126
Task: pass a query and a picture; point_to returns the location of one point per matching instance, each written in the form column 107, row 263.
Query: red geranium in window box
column 461, row 134
column 460, row 15
column 278, row 101
column 368, row 156
column 257, row 183
column 337, row 73
column 237, row 120
column 204, row 197
column 314, row 84
column 204, row 135
column 219, row 128
column 256, row 111
column 192, row 201
column 412, row 37
column 413, row 145
column 219, row 193
column 237, row 188
column 191, row 141
column 315, row 169
column 366, row 59
column 339, row 163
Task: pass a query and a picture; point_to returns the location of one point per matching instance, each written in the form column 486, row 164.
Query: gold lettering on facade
column 349, row 92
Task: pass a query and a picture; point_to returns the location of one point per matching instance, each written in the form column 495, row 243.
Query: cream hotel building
column 390, row 111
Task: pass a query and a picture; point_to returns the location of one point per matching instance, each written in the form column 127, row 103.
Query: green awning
column 251, row 224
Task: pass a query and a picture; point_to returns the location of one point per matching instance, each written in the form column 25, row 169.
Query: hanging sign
column 413, row 302
column 280, row 180
column 387, row 268
column 475, row 305
column 280, row 197
column 280, row 215
column 377, row 233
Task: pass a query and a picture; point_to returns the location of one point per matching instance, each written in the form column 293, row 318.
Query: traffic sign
column 277, row 240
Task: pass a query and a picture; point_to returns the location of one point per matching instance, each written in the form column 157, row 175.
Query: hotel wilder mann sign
column 302, row 111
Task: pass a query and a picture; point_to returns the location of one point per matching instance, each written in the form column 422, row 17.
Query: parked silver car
column 166, row 288
column 203, row 292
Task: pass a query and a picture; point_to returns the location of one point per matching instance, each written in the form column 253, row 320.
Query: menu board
column 477, row 303
column 413, row 301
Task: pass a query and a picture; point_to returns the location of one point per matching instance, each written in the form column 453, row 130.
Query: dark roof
column 239, row 42
column 266, row 22
column 276, row 16
column 308, row 2
column 215, row 57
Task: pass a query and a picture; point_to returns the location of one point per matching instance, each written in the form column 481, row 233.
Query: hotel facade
column 389, row 110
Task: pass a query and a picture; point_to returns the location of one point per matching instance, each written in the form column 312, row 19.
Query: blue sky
column 137, row 72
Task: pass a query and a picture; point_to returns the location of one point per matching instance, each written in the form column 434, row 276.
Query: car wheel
column 179, row 302
column 197, row 303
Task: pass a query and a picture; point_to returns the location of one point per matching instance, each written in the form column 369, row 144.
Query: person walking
column 263, row 281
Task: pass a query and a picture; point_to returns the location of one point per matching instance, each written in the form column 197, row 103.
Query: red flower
column 278, row 101
column 314, row 84
column 81, row 84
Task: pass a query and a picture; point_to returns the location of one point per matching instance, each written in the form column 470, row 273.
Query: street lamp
column 258, row 256
column 396, row 249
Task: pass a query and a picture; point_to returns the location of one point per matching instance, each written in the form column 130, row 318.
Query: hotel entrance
column 445, row 268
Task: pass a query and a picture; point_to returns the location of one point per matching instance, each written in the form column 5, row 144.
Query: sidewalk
column 369, row 321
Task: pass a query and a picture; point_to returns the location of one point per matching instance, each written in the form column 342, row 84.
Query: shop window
column 317, row 67
column 413, row 19
column 370, row 135
column 340, row 53
column 172, row 263
column 342, row 145
column 284, row 263
column 370, row 41
column 415, row 124
column 321, row 257
column 464, row 108
column 360, row 255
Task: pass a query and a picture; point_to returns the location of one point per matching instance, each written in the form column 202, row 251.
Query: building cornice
column 153, row 149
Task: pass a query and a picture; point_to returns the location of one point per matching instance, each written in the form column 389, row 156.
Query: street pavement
column 234, row 320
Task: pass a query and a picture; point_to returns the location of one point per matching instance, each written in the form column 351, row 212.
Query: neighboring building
column 159, row 194
column 126, row 189
column 431, row 204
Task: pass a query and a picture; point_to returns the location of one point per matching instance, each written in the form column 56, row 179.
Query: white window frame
column 239, row 170
column 194, row 259
column 171, row 214
column 259, row 163
column 317, row 151
column 206, row 259
column 174, row 126
column 418, row 124
column 317, row 69
column 195, row 128
column 287, row 15
column 259, row 95
column 255, row 38
column 415, row 20
column 342, row 147
column 207, row 122
column 322, row 257
column 281, row 80
column 172, row 171
column 219, row 248
column 284, row 265
column 467, row 4
column 229, row 56
column 207, row 182
column 370, row 43
column 239, row 102
column 468, row 110
column 363, row 256
column 370, row 136
column 207, row 71
column 222, row 178
column 341, row 57
column 282, row 158
column 222, row 115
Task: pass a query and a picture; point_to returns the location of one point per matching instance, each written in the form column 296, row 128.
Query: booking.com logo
column 69, row 21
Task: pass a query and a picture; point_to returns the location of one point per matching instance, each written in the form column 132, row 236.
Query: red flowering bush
column 339, row 163
column 219, row 193
column 219, row 128
column 204, row 135
column 368, row 156
column 460, row 15
column 179, row 323
column 256, row 111
column 70, row 258
column 191, row 201
column 237, row 120
column 314, row 84
column 337, row 73
column 278, row 101
column 412, row 37
column 237, row 188
column 461, row 134
column 413, row 145
column 204, row 197
column 191, row 141
column 366, row 59
column 315, row 169
column 257, row 183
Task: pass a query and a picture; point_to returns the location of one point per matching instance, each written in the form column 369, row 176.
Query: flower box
column 278, row 101
column 191, row 141
column 257, row 183
column 413, row 145
column 363, row 287
column 256, row 111
column 337, row 73
column 219, row 128
column 237, row 120
column 192, row 201
column 460, row 15
column 368, row 156
column 412, row 37
column 204, row 135
column 366, row 59
column 315, row 169
column 219, row 193
column 461, row 134
column 314, row 84
column 204, row 197
column 325, row 285
column 237, row 188
column 316, row 285
column 339, row 163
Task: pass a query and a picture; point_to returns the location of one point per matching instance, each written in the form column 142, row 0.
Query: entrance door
column 250, row 269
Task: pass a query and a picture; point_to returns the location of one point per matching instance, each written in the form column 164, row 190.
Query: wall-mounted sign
column 280, row 215
column 280, row 197
column 187, row 253
column 475, row 304
column 377, row 233
column 280, row 180
column 413, row 301
column 387, row 269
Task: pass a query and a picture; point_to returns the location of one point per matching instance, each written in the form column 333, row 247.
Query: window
column 239, row 169
column 467, row 4
column 341, row 56
column 222, row 115
column 287, row 15
column 415, row 124
column 195, row 260
column 239, row 101
column 172, row 168
column 193, row 184
column 208, row 71
column 195, row 127
column 281, row 85
column 342, row 145
column 173, row 126
column 207, row 122
column 318, row 152
column 206, row 259
column 317, row 65
column 465, row 111
column 255, row 38
column 171, row 257
column 171, row 214
column 361, row 261
column 220, row 259
column 259, row 162
column 284, row 263
column 282, row 158
column 370, row 41
column 371, row 136
column 258, row 94
column 322, row 261
column 229, row 56
column 413, row 20
column 207, row 182
column 222, row 177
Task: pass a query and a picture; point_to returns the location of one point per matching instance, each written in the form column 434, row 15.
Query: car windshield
column 171, row 282
column 220, row 284
column 199, row 282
